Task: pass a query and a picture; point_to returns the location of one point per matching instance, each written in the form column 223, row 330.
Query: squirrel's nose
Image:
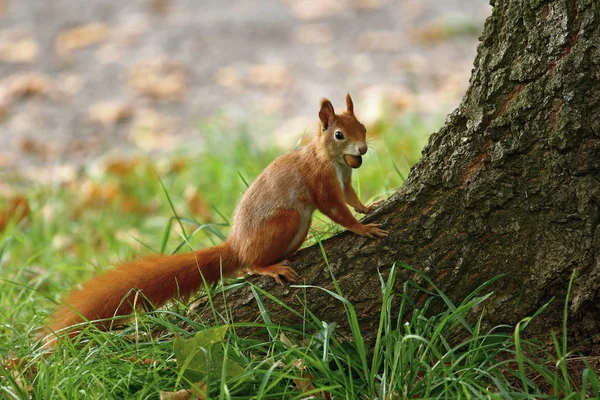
column 362, row 149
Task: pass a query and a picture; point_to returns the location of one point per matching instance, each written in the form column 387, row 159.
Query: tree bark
column 510, row 185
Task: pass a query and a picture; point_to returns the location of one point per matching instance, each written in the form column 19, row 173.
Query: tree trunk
column 510, row 185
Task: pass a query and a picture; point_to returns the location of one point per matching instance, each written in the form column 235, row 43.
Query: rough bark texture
column 510, row 185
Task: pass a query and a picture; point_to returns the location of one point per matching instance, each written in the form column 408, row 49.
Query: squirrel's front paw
column 374, row 231
column 370, row 208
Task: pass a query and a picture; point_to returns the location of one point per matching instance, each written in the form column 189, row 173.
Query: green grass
column 101, row 218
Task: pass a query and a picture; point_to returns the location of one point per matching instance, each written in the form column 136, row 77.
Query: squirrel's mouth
column 353, row 161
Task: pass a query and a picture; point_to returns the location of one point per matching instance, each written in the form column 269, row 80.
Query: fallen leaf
column 93, row 193
column 122, row 167
column 18, row 47
column 144, row 361
column 429, row 34
column 198, row 393
column 27, row 84
column 109, row 114
column 316, row 9
column 182, row 394
column 286, row 342
column 304, row 381
column 33, row 146
column 81, row 36
column 16, row 209
column 159, row 6
column 158, row 80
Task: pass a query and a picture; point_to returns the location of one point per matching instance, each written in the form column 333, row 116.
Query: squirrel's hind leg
column 278, row 237
column 277, row 271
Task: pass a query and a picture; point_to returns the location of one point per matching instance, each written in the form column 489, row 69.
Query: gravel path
column 79, row 79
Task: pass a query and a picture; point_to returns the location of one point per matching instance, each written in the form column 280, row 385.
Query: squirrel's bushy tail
column 153, row 279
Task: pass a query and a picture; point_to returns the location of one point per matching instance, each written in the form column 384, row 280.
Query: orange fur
column 269, row 225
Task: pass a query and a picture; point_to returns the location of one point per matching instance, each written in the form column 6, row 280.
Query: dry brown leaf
column 122, row 167
column 178, row 165
column 27, row 84
column 186, row 394
column 286, row 342
column 380, row 41
column 159, row 80
column 316, row 9
column 18, row 372
column 16, row 209
column 159, row 6
column 81, row 36
column 94, row 194
column 198, row 206
column 33, row 146
column 18, row 48
column 132, row 205
column 109, row 113
column 143, row 361
column 314, row 33
column 273, row 75
column 304, row 381
column 182, row 394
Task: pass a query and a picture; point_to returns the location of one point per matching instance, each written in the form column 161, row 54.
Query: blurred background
column 80, row 80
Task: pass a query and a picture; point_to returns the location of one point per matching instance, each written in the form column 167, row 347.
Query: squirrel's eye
column 339, row 135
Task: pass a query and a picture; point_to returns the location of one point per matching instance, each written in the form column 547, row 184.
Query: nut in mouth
column 353, row 161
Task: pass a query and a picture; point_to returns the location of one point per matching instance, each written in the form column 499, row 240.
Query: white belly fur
column 305, row 220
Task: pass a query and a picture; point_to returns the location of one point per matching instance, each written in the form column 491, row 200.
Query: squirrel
column 270, row 224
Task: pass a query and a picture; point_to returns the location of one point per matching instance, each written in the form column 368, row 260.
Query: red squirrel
column 269, row 225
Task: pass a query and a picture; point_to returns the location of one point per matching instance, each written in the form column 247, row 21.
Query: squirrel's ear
column 349, row 104
column 326, row 113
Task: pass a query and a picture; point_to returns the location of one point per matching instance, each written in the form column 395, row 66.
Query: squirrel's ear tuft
column 326, row 113
column 349, row 104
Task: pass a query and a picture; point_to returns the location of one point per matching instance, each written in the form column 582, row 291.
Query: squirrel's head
column 342, row 135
